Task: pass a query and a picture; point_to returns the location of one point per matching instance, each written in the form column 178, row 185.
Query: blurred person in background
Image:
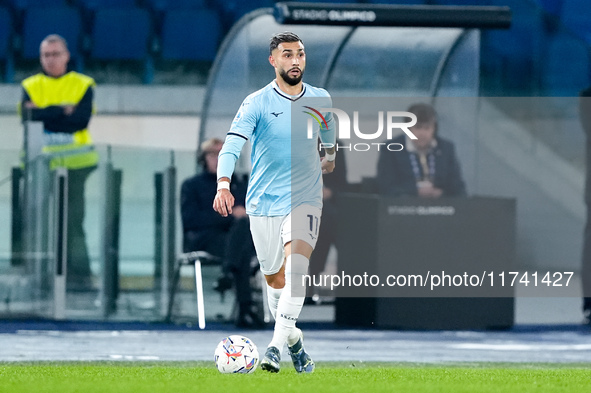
column 63, row 101
column 427, row 167
column 225, row 237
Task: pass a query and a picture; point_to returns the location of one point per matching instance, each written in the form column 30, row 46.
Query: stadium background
column 151, row 89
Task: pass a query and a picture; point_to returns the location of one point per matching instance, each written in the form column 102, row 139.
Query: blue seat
column 526, row 34
column 121, row 34
column 460, row 2
column 551, row 6
column 24, row 4
column 331, row 1
column 191, row 35
column 94, row 5
column 165, row 5
column 6, row 54
column 567, row 68
column 515, row 52
column 233, row 10
column 39, row 22
column 576, row 16
column 5, row 33
column 398, row 2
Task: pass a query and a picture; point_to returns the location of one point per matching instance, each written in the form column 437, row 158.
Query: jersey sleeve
column 241, row 130
column 229, row 155
column 245, row 120
column 328, row 134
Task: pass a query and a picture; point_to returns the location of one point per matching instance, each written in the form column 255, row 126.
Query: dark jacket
column 397, row 178
column 197, row 194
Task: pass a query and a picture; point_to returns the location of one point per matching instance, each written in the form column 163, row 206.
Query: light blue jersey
column 285, row 162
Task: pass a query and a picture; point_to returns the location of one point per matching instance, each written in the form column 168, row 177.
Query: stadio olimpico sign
column 334, row 15
column 392, row 15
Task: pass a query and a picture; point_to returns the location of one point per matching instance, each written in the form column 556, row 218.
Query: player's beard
column 289, row 80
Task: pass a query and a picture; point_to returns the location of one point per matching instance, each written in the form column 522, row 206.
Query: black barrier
column 16, row 230
column 157, row 231
column 165, row 232
column 61, row 243
column 479, row 17
column 112, row 213
column 410, row 238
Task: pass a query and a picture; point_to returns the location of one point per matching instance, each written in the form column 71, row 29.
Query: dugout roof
column 348, row 61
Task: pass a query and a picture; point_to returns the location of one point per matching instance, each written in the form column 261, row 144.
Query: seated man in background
column 225, row 237
column 427, row 167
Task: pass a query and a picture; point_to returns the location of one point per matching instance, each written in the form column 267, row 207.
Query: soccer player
column 284, row 197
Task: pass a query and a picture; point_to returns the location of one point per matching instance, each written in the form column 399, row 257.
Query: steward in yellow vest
column 64, row 104
column 63, row 101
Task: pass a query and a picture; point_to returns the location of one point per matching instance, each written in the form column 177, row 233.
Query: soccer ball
column 236, row 354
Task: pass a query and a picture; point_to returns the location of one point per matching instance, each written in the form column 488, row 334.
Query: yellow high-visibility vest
column 68, row 89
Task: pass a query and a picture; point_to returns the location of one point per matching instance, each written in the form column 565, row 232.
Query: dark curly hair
column 278, row 38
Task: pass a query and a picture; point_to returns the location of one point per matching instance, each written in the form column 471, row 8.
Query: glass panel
column 402, row 62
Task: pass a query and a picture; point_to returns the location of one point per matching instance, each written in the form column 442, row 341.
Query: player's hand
column 223, row 202
column 327, row 166
column 30, row 105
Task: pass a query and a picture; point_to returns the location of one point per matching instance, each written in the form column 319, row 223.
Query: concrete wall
column 128, row 99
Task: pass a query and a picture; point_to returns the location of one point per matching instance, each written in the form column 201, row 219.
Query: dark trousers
column 234, row 245
column 78, row 260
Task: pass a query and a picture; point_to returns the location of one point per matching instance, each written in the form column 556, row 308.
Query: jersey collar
column 289, row 97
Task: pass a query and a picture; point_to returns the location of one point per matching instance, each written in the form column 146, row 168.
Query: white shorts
column 270, row 234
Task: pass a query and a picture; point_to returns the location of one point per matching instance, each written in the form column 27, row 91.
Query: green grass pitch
column 177, row 377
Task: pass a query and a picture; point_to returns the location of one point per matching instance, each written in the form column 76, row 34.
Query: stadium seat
column 233, row 10
column 460, row 2
column 121, row 34
column 39, row 22
column 576, row 16
column 197, row 259
column 191, row 35
column 331, row 1
column 567, row 66
column 515, row 52
column 24, row 4
column 553, row 7
column 5, row 33
column 164, row 5
column 94, row 5
column 5, row 48
column 398, row 2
